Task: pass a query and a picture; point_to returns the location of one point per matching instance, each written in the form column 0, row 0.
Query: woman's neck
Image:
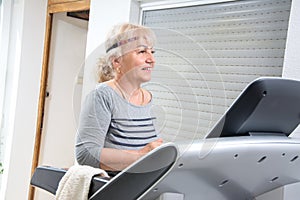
column 128, row 86
column 133, row 93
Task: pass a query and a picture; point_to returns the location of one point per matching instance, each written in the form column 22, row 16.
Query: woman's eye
column 142, row 51
column 145, row 51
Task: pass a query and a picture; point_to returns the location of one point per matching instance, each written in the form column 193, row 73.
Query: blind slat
column 207, row 54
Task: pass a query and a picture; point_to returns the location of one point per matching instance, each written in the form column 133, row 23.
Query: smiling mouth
column 147, row 68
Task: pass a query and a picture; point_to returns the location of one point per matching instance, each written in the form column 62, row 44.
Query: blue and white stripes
column 131, row 132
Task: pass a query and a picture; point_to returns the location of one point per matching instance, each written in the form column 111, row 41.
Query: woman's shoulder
column 101, row 90
column 100, row 94
column 103, row 87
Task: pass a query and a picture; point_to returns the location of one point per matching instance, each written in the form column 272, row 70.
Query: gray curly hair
column 121, row 39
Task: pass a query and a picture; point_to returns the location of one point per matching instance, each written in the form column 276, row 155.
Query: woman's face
column 138, row 64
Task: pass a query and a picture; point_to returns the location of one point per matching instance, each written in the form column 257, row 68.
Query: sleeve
column 94, row 122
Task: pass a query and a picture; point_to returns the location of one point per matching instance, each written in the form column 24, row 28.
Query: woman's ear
column 116, row 62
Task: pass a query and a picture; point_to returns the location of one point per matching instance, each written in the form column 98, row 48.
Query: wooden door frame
column 52, row 8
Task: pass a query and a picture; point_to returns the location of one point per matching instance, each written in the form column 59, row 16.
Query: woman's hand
column 117, row 159
column 150, row 146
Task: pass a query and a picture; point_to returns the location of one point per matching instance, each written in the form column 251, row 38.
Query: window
column 2, row 87
column 207, row 54
column 5, row 20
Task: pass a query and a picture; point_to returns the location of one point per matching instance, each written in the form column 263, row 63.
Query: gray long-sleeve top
column 108, row 120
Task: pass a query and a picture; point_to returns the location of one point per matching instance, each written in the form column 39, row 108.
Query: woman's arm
column 94, row 122
column 117, row 159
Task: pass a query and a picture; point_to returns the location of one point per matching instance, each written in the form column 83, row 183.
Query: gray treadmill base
column 232, row 168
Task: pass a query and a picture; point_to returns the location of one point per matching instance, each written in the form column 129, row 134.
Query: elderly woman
column 116, row 126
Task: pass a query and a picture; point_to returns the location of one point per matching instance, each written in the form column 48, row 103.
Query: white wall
column 24, row 63
column 291, row 67
column 103, row 15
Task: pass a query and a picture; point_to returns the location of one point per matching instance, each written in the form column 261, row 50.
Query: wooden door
column 54, row 6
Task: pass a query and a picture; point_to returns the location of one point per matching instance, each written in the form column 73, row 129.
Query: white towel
column 75, row 184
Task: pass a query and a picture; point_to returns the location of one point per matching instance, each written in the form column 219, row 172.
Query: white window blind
column 207, row 54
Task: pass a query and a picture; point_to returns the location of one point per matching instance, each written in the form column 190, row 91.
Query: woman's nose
column 150, row 56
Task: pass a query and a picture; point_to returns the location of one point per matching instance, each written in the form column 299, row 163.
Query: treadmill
column 247, row 153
